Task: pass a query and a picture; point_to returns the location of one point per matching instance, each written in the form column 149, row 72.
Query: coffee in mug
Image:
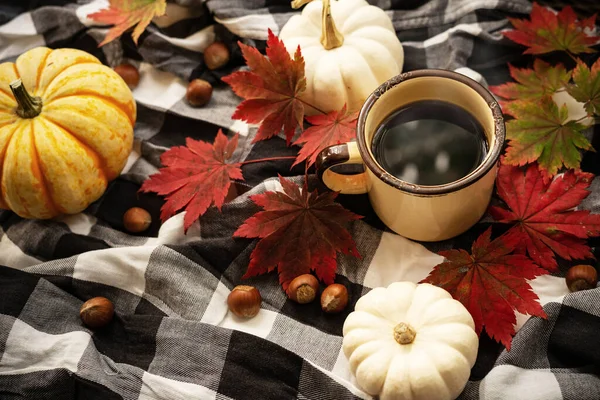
column 430, row 141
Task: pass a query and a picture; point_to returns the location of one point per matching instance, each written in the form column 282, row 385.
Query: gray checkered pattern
column 172, row 336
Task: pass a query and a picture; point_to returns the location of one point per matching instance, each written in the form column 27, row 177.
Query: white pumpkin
column 343, row 66
column 410, row 342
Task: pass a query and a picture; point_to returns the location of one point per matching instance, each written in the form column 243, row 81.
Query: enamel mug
column 423, row 213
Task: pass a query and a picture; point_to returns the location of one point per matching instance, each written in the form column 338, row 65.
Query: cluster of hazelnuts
column 244, row 301
column 199, row 91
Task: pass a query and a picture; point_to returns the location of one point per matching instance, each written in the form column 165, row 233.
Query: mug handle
column 339, row 154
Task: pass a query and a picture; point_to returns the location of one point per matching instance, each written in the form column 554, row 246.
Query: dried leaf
column 541, row 132
column 542, row 216
column 533, row 84
column 124, row 14
column 586, row 87
column 491, row 283
column 271, row 89
column 194, row 177
column 300, row 231
column 334, row 128
column 547, row 31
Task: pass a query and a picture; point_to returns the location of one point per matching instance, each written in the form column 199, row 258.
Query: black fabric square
column 71, row 244
column 129, row 339
column 215, row 255
column 487, row 354
column 120, row 196
column 63, row 282
column 147, row 308
column 574, row 341
column 312, row 314
column 258, row 369
column 55, row 384
column 176, row 128
column 16, row 287
column 88, row 390
column 314, row 384
column 274, row 147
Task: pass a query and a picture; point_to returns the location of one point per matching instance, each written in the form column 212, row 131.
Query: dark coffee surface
column 430, row 143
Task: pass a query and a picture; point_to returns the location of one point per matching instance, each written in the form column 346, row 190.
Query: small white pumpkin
column 410, row 342
column 345, row 66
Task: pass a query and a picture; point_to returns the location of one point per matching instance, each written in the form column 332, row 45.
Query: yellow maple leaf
column 124, row 14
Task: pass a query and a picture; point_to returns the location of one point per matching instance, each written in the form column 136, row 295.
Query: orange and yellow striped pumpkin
column 66, row 130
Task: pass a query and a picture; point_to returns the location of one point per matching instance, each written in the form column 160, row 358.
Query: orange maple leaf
column 124, row 14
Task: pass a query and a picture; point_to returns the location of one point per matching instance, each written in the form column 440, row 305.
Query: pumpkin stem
column 404, row 333
column 330, row 36
column 28, row 106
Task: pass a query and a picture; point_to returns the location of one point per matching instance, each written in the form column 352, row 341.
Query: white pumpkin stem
column 330, row 36
column 404, row 333
column 28, row 106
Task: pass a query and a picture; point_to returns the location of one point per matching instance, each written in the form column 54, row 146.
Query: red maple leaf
column 271, row 89
column 126, row 13
column 491, row 283
column 547, row 31
column 333, row 128
column 194, row 177
column 299, row 231
column 542, row 216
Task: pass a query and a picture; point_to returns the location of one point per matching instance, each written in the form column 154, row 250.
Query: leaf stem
column 572, row 56
column 269, row 159
column 311, row 106
column 582, row 118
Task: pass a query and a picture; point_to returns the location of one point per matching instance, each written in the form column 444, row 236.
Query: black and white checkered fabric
column 172, row 337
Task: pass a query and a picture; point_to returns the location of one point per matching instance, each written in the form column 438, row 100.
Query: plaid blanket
column 172, row 336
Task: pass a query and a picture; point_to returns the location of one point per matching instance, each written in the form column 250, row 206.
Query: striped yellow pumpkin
column 66, row 130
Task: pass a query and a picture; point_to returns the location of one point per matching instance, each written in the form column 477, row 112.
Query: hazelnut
column 198, row 92
column 129, row 73
column 334, row 298
column 216, row 55
column 244, row 301
column 581, row 277
column 97, row 312
column 303, row 288
column 137, row 220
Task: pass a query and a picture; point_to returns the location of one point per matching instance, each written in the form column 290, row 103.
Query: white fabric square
column 156, row 387
column 28, row 350
column 549, row 289
column 19, row 35
column 514, row 383
column 13, row 256
column 123, row 267
column 136, row 153
column 80, row 223
column 399, row 259
column 260, row 325
column 217, row 308
column 158, row 89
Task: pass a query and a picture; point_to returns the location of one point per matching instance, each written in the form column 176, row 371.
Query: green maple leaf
column 124, row 14
column 586, row 87
column 541, row 132
column 543, row 80
column 547, row 31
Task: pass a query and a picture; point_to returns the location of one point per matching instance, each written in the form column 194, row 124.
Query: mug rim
column 488, row 163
